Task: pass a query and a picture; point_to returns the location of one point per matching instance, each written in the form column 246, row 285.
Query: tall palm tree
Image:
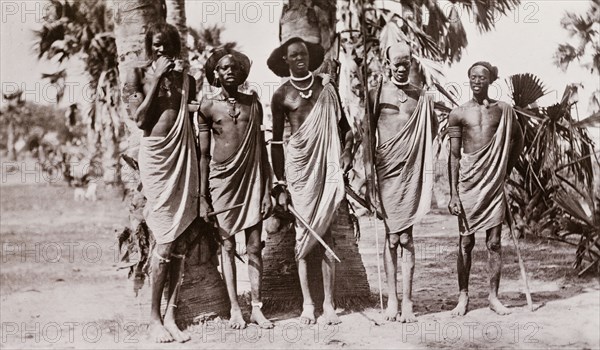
column 82, row 30
column 176, row 16
column 11, row 118
column 584, row 31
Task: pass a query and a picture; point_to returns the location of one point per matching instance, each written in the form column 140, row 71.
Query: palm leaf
column 429, row 69
column 456, row 39
column 592, row 121
column 526, row 89
column 594, row 104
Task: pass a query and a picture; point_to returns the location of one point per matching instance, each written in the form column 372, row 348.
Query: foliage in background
column 583, row 48
column 552, row 191
column 83, row 30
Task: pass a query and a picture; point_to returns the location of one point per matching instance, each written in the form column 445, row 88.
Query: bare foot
column 407, row 315
column 159, row 332
column 462, row 306
column 259, row 318
column 178, row 335
column 308, row 314
column 391, row 313
column 497, row 306
column 237, row 320
column 329, row 315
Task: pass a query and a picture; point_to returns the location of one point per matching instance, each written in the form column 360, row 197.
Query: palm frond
column 485, row 12
column 456, row 39
column 525, row 89
column 430, row 70
column 564, row 55
column 594, row 104
column 592, row 121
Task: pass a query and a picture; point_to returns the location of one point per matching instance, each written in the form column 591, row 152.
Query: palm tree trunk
column 176, row 16
column 10, row 139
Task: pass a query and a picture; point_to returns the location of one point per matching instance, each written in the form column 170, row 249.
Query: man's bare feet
column 178, row 334
column 462, row 306
column 407, row 315
column 308, row 314
column 329, row 315
column 259, row 318
column 497, row 306
column 159, row 332
column 391, row 313
column 237, row 320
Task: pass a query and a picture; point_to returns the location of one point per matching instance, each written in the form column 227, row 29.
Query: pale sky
column 523, row 42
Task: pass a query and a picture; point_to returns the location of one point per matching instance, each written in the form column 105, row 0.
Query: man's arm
column 348, row 139
column 455, row 133
column 192, row 94
column 372, row 118
column 277, row 156
column 264, row 161
column 516, row 145
column 204, row 139
column 146, row 120
column 133, row 92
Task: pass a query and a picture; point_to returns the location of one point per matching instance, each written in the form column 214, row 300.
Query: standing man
column 239, row 172
column 405, row 123
column 158, row 98
column 318, row 153
column 485, row 143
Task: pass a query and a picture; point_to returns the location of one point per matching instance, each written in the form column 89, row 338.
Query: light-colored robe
column 313, row 171
column 482, row 176
column 405, row 170
column 170, row 178
column 241, row 179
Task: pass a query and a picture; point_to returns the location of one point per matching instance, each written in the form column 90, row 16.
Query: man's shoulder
column 460, row 109
column 207, row 101
column 281, row 92
column 504, row 105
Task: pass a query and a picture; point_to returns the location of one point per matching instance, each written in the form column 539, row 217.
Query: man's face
column 479, row 79
column 229, row 71
column 297, row 59
column 161, row 47
column 400, row 66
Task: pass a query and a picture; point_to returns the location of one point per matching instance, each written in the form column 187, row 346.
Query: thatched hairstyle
column 169, row 31
column 492, row 69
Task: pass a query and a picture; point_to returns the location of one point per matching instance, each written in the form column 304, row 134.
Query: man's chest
column 482, row 117
column 397, row 102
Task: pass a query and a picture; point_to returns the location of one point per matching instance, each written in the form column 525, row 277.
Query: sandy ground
column 59, row 288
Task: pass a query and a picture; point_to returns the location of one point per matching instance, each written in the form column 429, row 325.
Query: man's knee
column 162, row 252
column 493, row 244
column 229, row 245
column 394, row 240
column 467, row 242
column 180, row 248
column 405, row 239
column 493, row 239
column 255, row 248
